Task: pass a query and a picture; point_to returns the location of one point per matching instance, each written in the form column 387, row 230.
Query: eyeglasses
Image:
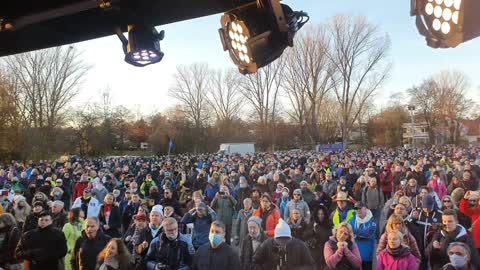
column 472, row 200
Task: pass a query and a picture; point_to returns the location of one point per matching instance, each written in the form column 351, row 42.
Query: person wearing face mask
column 251, row 242
column 88, row 204
column 460, row 257
column 170, row 250
column 283, row 251
column 216, row 255
column 451, row 232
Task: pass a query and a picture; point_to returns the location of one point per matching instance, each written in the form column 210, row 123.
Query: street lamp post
column 411, row 109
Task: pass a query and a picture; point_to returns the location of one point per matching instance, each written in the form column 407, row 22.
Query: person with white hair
column 59, row 216
column 283, row 251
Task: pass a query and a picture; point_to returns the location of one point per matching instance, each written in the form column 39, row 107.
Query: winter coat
column 93, row 206
column 386, row 181
column 225, row 209
column 78, row 190
column 330, row 187
column 439, row 257
column 364, row 230
column 298, row 256
column 59, row 220
column 8, row 245
column 220, row 258
column 31, row 222
column 210, row 192
column 308, row 196
column 373, row 198
column 72, row 233
column 114, row 221
column 282, row 205
column 42, row 248
column 408, row 241
column 302, row 205
column 338, row 216
column 269, row 219
column 130, row 210
column 316, row 235
column 474, row 214
column 85, row 252
column 201, row 227
column 164, row 250
column 241, row 225
column 242, row 194
column 337, row 259
column 246, row 250
column 100, row 193
column 21, row 214
column 439, row 187
column 405, row 260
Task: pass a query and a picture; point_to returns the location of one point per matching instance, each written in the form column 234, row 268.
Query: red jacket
column 386, row 181
column 272, row 220
column 79, row 188
column 474, row 214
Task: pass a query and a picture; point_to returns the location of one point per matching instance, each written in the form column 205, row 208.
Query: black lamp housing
column 143, row 45
column 257, row 34
column 446, row 23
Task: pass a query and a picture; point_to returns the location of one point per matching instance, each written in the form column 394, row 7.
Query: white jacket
column 93, row 206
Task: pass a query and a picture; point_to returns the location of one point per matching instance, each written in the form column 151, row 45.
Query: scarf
column 397, row 252
column 110, row 261
column 296, row 224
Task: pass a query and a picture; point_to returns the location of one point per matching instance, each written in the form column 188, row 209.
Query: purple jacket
column 386, row 261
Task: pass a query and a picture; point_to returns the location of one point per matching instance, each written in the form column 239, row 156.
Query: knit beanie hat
column 158, row 208
column 256, row 220
column 282, row 229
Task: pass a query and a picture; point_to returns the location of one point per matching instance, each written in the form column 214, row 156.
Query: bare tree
column 47, row 81
column 308, row 77
column 224, row 94
column 442, row 100
column 261, row 90
column 190, row 89
column 359, row 55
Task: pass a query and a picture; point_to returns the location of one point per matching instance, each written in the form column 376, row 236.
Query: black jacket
column 85, row 252
column 43, row 248
column 8, row 245
column 115, row 221
column 298, row 256
column 59, row 220
column 129, row 211
column 221, row 258
column 31, row 222
column 246, row 253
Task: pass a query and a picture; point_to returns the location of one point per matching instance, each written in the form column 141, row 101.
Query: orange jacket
column 272, row 220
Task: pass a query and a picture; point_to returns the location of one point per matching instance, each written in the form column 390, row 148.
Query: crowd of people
column 378, row 209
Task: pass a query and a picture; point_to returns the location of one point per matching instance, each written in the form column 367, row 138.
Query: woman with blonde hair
column 395, row 255
column 109, row 216
column 340, row 251
column 297, row 224
column 396, row 224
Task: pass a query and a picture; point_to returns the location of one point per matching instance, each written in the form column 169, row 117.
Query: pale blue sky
column 197, row 41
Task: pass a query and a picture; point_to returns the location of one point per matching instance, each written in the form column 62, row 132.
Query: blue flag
column 170, row 143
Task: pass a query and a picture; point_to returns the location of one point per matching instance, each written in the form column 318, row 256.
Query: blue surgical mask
column 458, row 261
column 215, row 239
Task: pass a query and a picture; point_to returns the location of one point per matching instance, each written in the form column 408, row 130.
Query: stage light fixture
column 143, row 45
column 257, row 34
column 446, row 23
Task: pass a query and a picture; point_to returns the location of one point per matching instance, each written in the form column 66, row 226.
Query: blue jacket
column 364, row 230
column 201, row 227
column 210, row 192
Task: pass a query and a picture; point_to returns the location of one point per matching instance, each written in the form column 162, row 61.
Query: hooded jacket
column 439, row 257
column 364, row 230
column 474, row 214
column 201, row 227
column 404, row 260
column 93, row 206
column 301, row 204
column 297, row 256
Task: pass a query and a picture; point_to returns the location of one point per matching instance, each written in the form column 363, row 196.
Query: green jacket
column 225, row 209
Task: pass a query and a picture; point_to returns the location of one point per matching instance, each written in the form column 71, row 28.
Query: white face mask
column 458, row 261
column 285, row 194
